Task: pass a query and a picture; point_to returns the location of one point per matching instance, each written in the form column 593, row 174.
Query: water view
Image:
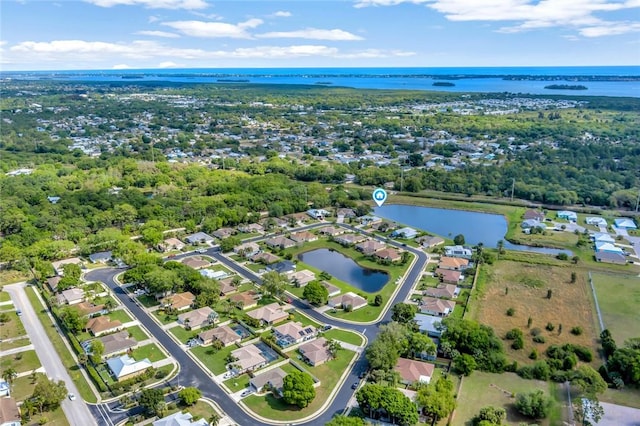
column 476, row 227
column 346, row 269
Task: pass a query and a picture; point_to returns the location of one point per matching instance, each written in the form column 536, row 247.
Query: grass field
column 482, row 389
column 182, row 334
column 4, row 296
column 628, row 397
column 619, row 301
column 120, row 315
column 329, row 374
column 21, row 362
column 8, row 276
column 137, row 333
column 344, row 336
column 213, row 361
column 12, row 328
column 570, row 305
column 151, row 351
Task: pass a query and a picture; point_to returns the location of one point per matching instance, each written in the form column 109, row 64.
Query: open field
column 21, row 362
column 12, row 328
column 8, row 276
column 628, row 397
column 569, row 306
column 344, row 336
column 619, row 301
column 151, row 351
column 482, row 389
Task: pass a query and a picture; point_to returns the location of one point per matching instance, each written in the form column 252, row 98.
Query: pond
column 345, row 269
column 476, row 227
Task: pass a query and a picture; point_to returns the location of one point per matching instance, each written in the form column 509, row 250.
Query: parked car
column 72, row 397
column 246, row 393
column 327, row 327
column 18, row 312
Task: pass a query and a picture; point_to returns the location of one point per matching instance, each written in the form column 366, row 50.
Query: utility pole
column 513, row 187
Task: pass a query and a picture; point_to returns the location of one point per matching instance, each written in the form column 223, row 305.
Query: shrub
column 562, row 256
column 514, row 333
column 533, row 355
column 539, row 339
column 577, row 331
column 535, row 331
column 534, row 404
column 550, row 327
column 583, row 354
column 510, row 312
column 518, row 343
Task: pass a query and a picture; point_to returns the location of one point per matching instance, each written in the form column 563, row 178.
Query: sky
column 141, row 34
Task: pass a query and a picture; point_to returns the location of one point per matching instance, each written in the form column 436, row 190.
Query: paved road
column 76, row 411
column 194, row 375
column 618, row 415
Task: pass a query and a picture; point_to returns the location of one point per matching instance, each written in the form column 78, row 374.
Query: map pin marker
column 379, row 196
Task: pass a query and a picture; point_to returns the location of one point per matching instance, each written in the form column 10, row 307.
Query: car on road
column 355, row 385
column 18, row 312
column 72, row 396
column 202, row 250
column 327, row 327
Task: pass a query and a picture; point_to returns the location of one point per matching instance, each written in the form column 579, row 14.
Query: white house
column 458, row 251
column 568, row 215
column 602, row 237
column 625, row 223
column 608, row 247
column 597, row 221
column 180, row 419
column 125, row 367
column 406, row 232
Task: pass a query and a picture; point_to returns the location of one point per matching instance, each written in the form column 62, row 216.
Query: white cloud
column 215, row 29
column 121, row 67
column 168, row 64
column 582, row 15
column 281, row 14
column 313, row 34
column 153, row 4
column 164, row 34
column 153, row 19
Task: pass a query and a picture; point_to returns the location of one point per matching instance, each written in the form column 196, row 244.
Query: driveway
column 76, row 411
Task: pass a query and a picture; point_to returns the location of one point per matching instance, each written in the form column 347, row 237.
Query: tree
column 151, row 401
column 533, row 404
column 274, row 283
column 297, row 389
column 588, row 411
column 72, row 320
column 608, row 343
column 459, row 240
column 377, row 301
column 9, row 375
column 48, row 394
column 403, row 312
column 341, row 420
column 333, row 346
column 372, row 398
column 464, row 364
column 315, row 293
column 229, row 243
column 421, row 344
column 214, row 419
column 189, row 396
column 574, row 276
column 491, row 416
column 437, row 399
column 97, row 350
column 589, row 381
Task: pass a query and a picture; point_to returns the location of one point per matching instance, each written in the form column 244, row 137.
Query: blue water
column 476, row 79
column 345, row 269
column 476, row 227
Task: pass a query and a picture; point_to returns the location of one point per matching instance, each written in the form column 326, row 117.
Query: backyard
column 619, row 301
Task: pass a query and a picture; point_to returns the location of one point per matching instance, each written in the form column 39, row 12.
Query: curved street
column 193, row 374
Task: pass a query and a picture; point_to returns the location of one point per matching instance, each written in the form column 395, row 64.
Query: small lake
column 345, row 269
column 476, row 227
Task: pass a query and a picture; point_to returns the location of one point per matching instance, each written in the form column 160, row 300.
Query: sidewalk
column 17, row 350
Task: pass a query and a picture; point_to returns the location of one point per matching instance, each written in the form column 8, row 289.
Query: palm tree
column 9, row 375
column 214, row 419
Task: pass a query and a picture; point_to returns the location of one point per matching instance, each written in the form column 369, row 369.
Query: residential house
column 302, row 278
column 453, row 263
column 437, row 307
column 607, row 257
column 369, row 220
column 198, row 318
column 101, row 257
column 269, row 314
column 291, row 333
column 215, row 275
column 223, row 233
column 244, row 300
column 5, row 389
column 282, row 267
column 458, row 251
column 332, row 231
column 388, row 254
column 596, row 221
column 280, row 242
column 180, row 301
column 199, row 238
column 429, row 324
column 251, row 228
column 315, row 352
column 247, row 250
column 304, row 237
column 117, row 343
column 58, row 266
column 608, row 247
column 449, row 276
column 369, row 247
column 124, row 367
column 406, row 232
column 348, row 299
column 70, row 296
column 227, row 287
column 602, row 237
column 9, row 412
column 533, row 214
column 88, row 309
column 180, row 419
column 332, row 289
column 102, row 325
column 53, row 199
column 195, row 262
column 625, row 223
column 318, row 213
column 349, row 239
column 248, row 358
column 429, row 241
column 567, row 215
column 53, row 282
column 448, row 291
column 414, row 371
column 265, row 258
column 224, row 334
column 172, row 244
column 269, row 380
column 344, row 212
column 532, row 223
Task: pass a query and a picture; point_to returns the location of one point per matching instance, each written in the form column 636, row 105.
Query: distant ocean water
column 599, row 80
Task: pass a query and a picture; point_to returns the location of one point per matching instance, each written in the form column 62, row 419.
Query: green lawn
column 213, row 361
column 21, row 362
column 16, row 343
column 151, row 351
column 12, row 328
column 275, row 408
column 83, row 387
column 148, row 301
column 344, row 336
column 304, row 320
column 237, row 383
column 22, row 387
column 4, row 296
column 482, row 389
column 182, row 334
column 628, row 397
column 120, row 315
column 137, row 333
column 619, row 301
column 164, row 318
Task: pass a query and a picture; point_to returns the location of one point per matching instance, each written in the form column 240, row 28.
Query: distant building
column 198, row 318
column 348, row 299
column 429, row 324
column 280, row 242
column 567, row 215
column 117, row 343
column 407, row 233
column 608, row 247
column 436, row 307
column 606, row 257
column 291, row 333
column 597, row 221
column 180, row 301
column 101, row 257
column 625, row 223
column 449, row 291
column 199, row 238
column 453, row 263
column 533, row 214
column 282, row 267
column 70, row 296
column 224, row 334
column 269, row 314
column 102, row 325
column 318, row 213
column 248, row 358
column 414, row 371
column 458, row 251
column 429, row 241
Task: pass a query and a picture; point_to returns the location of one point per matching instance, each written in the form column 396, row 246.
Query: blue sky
column 118, row 34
